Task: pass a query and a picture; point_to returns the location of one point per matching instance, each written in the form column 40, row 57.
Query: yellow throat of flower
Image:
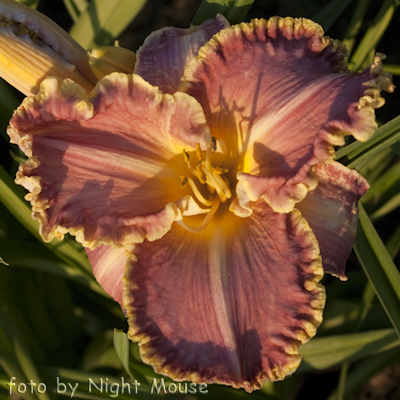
column 218, row 186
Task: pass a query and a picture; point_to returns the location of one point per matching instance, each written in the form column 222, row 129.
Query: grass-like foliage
column 59, row 329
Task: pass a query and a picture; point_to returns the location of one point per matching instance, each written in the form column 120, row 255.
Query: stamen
column 200, row 174
column 206, row 221
column 214, row 143
column 211, row 189
column 224, row 187
column 198, row 195
column 187, row 162
column 186, row 157
column 214, row 182
column 184, row 180
column 221, row 171
column 199, row 153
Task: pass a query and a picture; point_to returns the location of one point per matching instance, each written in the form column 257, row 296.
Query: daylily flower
column 204, row 189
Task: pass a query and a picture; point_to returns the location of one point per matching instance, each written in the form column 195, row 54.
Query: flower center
column 213, row 177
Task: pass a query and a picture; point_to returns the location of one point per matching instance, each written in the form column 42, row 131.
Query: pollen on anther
column 184, row 180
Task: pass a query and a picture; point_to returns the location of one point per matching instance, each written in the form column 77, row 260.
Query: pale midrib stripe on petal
column 281, row 111
column 220, row 295
column 128, row 160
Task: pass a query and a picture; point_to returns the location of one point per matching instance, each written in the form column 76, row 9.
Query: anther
column 186, row 157
column 184, row 180
column 200, row 174
column 221, row 171
column 199, row 154
column 214, row 143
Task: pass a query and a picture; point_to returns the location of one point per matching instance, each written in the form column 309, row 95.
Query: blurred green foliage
column 57, row 326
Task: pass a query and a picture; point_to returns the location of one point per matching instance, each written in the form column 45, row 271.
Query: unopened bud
column 33, row 47
column 107, row 59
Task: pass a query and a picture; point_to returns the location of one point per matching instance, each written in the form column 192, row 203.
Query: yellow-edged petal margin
column 229, row 305
column 279, row 94
column 106, row 167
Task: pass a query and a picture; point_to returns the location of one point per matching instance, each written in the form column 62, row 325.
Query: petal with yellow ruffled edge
column 279, row 95
column 106, row 167
column 228, row 305
column 332, row 212
column 166, row 52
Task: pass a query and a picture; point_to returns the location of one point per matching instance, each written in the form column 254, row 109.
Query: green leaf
column 233, row 10
column 393, row 69
column 30, row 3
column 121, row 345
column 28, row 255
column 15, row 356
column 373, row 34
column 330, row 13
column 326, row 352
column 10, row 197
column 355, row 23
column 379, row 267
column 86, row 384
column 365, row 369
column 103, row 21
column 393, row 244
column 357, row 154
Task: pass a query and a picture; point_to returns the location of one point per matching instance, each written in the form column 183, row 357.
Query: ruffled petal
column 278, row 93
column 166, row 52
column 229, row 305
column 332, row 212
column 106, row 167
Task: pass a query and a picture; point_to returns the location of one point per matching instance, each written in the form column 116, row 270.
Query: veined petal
column 33, row 47
column 108, row 265
column 166, row 52
column 229, row 305
column 106, row 167
column 279, row 95
column 332, row 212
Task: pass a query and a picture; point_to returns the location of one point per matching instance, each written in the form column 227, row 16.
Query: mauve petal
column 229, row 305
column 106, row 167
column 332, row 212
column 165, row 53
column 277, row 93
column 108, row 265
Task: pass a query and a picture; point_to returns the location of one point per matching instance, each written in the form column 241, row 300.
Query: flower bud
column 107, row 59
column 32, row 47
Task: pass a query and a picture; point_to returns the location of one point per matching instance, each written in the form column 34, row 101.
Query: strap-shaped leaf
column 330, row 13
column 366, row 369
column 355, row 23
column 233, row 10
column 326, row 352
column 374, row 33
column 379, row 267
column 103, row 21
column 19, row 208
column 121, row 345
column 357, row 154
column 15, row 356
